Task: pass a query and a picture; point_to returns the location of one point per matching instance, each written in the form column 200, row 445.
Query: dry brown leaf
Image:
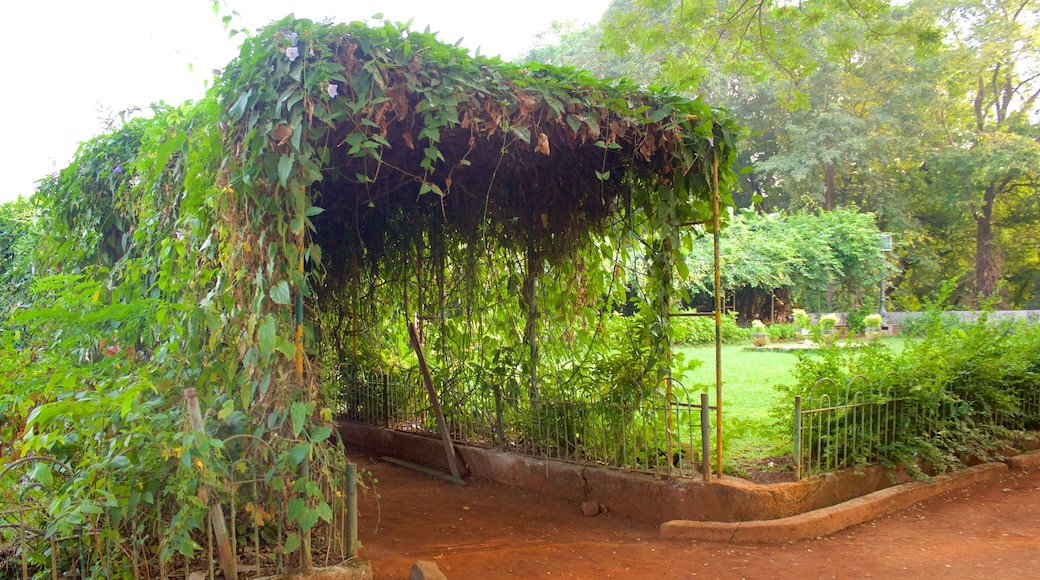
column 527, row 103
column 399, row 98
column 281, row 133
column 543, row 144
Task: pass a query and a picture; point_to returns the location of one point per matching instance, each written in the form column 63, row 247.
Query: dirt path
column 485, row 531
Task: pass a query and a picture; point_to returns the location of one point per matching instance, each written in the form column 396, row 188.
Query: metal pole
column 797, row 438
column 352, row 525
column 716, row 222
column 882, row 310
column 499, row 430
column 705, row 437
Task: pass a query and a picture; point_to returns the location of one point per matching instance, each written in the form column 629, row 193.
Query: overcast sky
column 69, row 64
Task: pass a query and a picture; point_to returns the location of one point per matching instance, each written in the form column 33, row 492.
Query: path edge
column 832, row 519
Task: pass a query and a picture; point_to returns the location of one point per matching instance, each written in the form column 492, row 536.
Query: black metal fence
column 837, row 427
column 664, row 432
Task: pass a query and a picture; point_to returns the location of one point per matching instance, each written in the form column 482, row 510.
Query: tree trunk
column 829, row 186
column 987, row 259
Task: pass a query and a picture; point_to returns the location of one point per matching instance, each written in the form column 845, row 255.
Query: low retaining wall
column 642, row 497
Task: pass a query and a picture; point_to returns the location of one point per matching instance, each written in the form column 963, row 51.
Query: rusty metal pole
column 717, row 224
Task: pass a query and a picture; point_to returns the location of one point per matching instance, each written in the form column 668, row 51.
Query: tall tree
column 922, row 112
column 990, row 115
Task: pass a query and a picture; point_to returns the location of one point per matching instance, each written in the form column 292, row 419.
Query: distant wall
column 900, row 318
column 897, row 319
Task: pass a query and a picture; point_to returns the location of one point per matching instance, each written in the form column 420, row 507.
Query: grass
column 748, row 378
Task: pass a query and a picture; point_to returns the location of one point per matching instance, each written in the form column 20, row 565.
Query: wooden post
column 228, row 564
column 442, row 426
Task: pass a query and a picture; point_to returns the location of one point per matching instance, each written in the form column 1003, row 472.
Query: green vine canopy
column 330, row 155
column 338, row 181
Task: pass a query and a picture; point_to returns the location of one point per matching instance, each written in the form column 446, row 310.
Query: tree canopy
column 921, row 112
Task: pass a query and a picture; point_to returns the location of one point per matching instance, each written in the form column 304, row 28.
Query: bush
column 855, row 320
column 963, row 390
column 801, row 318
column 872, row 321
column 782, row 332
column 701, row 329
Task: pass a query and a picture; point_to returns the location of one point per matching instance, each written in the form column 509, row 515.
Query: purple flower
column 332, row 90
column 291, row 37
column 117, row 170
column 292, row 52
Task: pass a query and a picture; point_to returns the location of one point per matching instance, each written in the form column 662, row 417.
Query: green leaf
column 42, row 473
column 324, row 511
column 308, row 519
column 320, row 433
column 285, row 165
column 298, row 414
column 523, row 133
column 266, row 335
column 287, row 348
column 298, row 453
column 280, row 293
column 313, row 211
column 292, row 542
column 240, row 105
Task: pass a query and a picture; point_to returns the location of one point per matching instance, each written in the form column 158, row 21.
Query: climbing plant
column 336, row 182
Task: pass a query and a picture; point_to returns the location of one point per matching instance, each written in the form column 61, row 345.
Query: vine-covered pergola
column 339, row 180
column 341, row 185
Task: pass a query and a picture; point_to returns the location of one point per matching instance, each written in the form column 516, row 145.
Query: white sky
column 69, row 64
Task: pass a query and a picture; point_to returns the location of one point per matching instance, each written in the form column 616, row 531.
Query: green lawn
column 748, row 377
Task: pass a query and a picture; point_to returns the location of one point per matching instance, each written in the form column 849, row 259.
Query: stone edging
column 826, row 521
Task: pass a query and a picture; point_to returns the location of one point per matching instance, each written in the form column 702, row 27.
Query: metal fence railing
column 837, row 427
column 664, row 432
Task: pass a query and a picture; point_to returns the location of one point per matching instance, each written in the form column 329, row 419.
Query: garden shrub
column 966, row 389
column 782, row 331
column 701, row 329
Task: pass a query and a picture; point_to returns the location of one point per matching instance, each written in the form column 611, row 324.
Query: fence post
column 386, row 400
column 352, row 525
column 797, row 438
column 499, row 431
column 705, row 437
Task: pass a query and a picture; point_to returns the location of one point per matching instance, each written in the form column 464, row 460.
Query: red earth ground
column 487, row 531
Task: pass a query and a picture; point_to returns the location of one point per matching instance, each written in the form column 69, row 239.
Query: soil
column 485, row 530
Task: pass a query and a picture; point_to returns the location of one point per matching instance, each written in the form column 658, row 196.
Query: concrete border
column 721, row 509
column 829, row 520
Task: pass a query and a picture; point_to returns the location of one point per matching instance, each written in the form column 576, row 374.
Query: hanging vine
column 260, row 242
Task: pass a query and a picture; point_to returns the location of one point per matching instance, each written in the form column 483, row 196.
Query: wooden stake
column 228, row 564
column 442, row 426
